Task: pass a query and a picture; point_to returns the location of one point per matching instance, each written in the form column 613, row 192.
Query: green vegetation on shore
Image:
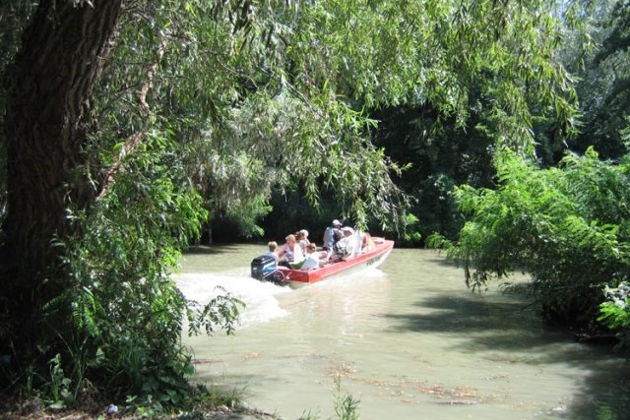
column 566, row 226
column 164, row 118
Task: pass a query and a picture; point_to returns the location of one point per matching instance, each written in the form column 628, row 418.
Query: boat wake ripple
column 259, row 297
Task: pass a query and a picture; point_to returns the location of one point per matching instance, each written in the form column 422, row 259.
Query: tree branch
column 133, row 141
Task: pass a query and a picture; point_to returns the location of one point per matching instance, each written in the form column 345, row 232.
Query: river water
column 407, row 340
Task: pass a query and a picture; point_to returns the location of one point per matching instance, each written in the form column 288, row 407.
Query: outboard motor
column 264, row 267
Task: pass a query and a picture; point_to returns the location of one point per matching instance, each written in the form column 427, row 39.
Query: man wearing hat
column 331, row 235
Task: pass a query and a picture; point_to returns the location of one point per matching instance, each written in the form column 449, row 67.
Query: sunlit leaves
column 566, row 226
column 615, row 311
column 236, row 98
column 124, row 299
column 251, row 62
column 604, row 75
column 435, row 52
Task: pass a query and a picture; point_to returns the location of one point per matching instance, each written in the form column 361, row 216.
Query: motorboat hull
column 372, row 258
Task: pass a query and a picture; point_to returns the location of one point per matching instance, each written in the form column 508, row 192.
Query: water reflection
column 506, row 329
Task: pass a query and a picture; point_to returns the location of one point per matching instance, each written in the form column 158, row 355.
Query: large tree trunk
column 52, row 82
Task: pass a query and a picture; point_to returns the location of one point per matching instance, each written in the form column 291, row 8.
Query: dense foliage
column 128, row 315
column 203, row 109
column 463, row 83
column 604, row 77
column 438, row 155
column 567, row 226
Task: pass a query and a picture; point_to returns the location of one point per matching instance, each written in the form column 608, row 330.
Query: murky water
column 408, row 340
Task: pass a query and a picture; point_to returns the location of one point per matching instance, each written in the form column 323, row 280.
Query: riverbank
column 30, row 410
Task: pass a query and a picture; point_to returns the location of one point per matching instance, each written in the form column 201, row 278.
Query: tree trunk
column 52, row 81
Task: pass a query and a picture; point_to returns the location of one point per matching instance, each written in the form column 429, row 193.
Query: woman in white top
column 291, row 254
column 312, row 258
column 347, row 243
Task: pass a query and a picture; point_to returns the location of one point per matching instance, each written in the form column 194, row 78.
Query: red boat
column 297, row 278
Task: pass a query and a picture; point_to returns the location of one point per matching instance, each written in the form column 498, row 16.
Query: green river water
column 407, row 339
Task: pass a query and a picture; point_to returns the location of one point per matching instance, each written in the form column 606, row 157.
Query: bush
column 567, row 226
column 126, row 313
column 615, row 312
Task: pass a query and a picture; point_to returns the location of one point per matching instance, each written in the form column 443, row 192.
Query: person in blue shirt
column 273, row 246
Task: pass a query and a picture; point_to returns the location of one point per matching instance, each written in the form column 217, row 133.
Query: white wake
column 259, row 297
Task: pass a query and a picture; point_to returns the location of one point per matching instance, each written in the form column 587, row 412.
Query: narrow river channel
column 407, row 339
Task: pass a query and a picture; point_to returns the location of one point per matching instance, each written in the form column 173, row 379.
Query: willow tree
column 53, row 78
column 51, row 83
column 120, row 112
column 604, row 80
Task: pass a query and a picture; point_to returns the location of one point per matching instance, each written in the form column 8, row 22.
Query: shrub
column 567, row 226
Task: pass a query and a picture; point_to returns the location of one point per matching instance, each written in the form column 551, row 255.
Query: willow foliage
column 195, row 63
column 300, row 73
column 214, row 104
column 127, row 312
column 390, row 52
column 602, row 72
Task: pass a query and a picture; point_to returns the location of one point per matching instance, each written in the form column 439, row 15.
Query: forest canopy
column 127, row 124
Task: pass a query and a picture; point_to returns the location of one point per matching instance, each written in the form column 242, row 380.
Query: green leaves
column 615, row 311
column 60, row 395
column 270, row 84
column 566, row 226
column 222, row 312
column 603, row 73
column 125, row 306
column 211, row 106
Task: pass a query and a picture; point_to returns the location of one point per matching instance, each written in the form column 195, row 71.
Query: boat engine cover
column 263, row 267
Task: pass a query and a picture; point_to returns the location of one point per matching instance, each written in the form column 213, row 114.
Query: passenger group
column 339, row 243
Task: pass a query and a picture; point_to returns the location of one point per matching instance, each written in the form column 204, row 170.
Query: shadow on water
column 212, row 250
column 238, row 383
column 439, row 259
column 506, row 324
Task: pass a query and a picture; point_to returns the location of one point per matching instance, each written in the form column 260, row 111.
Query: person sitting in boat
column 291, row 254
column 273, row 247
column 339, row 251
column 367, row 244
column 346, row 246
column 332, row 234
column 302, row 238
column 311, row 262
